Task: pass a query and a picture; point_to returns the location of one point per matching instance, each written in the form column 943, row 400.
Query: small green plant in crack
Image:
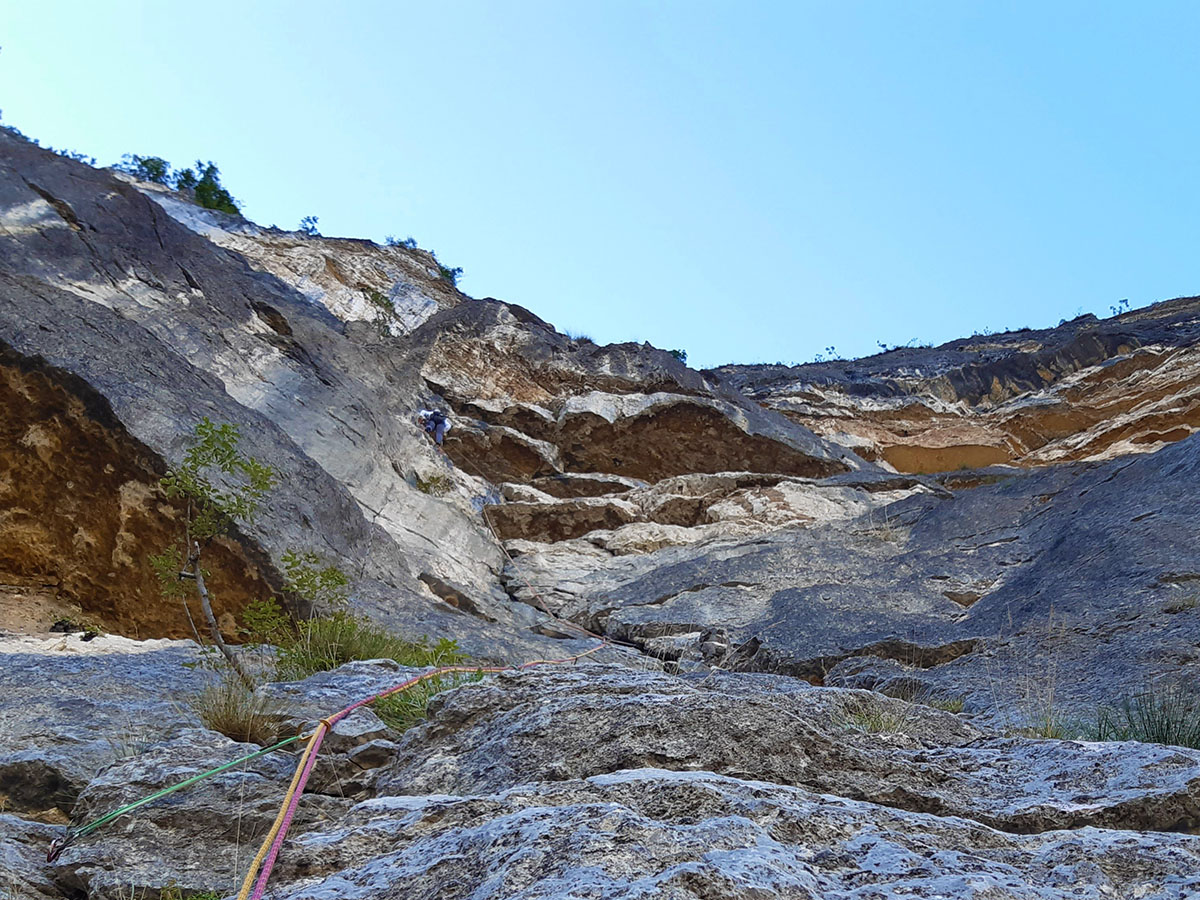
column 434, row 485
column 265, row 622
column 947, row 704
column 1164, row 714
column 172, row 891
column 1050, row 724
column 403, row 710
column 73, row 625
column 872, row 717
column 385, row 312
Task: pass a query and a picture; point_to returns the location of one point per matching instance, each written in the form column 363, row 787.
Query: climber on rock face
column 435, row 423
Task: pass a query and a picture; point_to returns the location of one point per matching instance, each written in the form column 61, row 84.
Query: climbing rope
column 269, row 851
column 74, row 834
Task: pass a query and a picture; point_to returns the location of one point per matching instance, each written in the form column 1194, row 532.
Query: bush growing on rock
column 147, row 168
column 321, row 586
column 446, row 273
column 203, row 182
column 386, row 312
column 206, row 188
column 332, row 636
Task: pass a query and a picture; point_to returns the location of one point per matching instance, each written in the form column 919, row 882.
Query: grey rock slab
column 1024, row 582
column 556, row 725
column 199, row 839
column 99, row 282
column 24, row 874
column 70, row 707
column 654, row 833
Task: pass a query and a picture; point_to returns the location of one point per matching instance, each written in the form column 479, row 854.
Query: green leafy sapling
column 322, row 587
column 219, row 486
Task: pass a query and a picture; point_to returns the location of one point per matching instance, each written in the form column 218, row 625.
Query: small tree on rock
column 205, row 184
column 147, row 168
column 219, row 486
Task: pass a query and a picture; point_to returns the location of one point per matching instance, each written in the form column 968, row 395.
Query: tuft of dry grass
column 226, row 705
column 873, row 717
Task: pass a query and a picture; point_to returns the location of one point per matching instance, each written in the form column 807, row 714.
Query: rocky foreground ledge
column 594, row 781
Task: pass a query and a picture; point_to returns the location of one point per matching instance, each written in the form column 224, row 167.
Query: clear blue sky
column 746, row 181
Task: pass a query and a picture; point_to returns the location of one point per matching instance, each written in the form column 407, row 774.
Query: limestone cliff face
column 1086, row 390
column 796, row 564
column 167, row 314
column 616, row 475
column 101, row 284
column 395, row 287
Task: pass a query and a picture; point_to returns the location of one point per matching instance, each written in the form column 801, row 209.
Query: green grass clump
column 877, row 718
column 326, row 642
column 947, row 704
column 404, row 710
column 171, row 892
column 1160, row 715
column 1050, row 724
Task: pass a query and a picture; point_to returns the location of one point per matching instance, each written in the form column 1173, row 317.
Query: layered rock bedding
column 856, row 616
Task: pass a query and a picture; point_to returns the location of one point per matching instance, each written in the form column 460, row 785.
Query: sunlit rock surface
column 824, row 558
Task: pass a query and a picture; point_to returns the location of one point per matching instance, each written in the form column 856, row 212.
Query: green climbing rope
column 74, row 834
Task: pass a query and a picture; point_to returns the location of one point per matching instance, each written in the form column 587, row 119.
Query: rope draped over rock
column 74, row 834
column 273, row 842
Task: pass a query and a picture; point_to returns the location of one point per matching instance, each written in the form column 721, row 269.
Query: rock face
column 396, row 288
column 144, row 323
column 60, row 446
column 822, row 559
column 118, row 291
column 1006, row 594
column 1086, row 390
column 602, row 779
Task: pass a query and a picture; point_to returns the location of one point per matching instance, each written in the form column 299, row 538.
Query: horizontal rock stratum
column 839, row 597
